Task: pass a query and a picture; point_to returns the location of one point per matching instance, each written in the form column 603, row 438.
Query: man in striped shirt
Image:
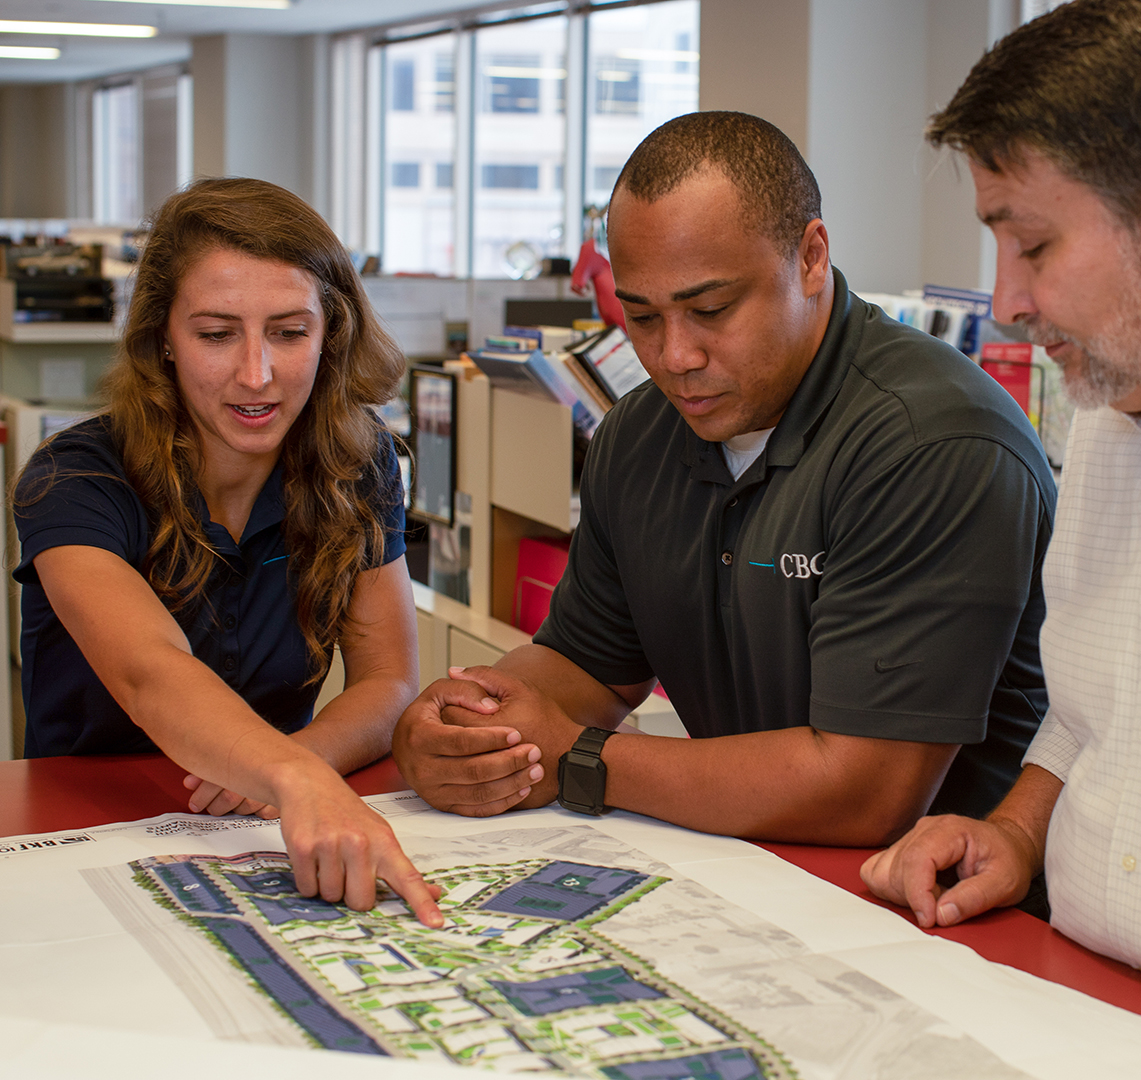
column 1050, row 122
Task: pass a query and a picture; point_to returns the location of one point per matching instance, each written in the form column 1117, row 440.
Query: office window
column 116, row 148
column 501, row 93
column 604, row 177
column 511, row 83
column 406, row 174
column 516, row 177
column 617, row 84
column 642, row 70
column 445, row 88
column 419, row 218
column 520, row 136
column 403, row 84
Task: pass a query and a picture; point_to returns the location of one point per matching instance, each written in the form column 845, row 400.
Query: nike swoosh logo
column 882, row 667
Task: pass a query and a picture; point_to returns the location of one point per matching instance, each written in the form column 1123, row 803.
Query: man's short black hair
column 778, row 192
column 1068, row 86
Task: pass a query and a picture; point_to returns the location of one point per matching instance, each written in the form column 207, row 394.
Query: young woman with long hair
column 191, row 555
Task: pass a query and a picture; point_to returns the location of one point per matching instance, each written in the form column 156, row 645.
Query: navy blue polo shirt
column 245, row 630
column 875, row 572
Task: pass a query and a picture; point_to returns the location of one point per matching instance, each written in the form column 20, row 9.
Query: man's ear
column 812, row 257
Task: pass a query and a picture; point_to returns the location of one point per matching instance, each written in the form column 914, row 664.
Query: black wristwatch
column 582, row 774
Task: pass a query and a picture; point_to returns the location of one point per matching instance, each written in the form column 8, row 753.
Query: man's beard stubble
column 1110, row 367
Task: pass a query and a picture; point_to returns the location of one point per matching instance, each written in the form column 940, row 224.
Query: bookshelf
column 516, row 464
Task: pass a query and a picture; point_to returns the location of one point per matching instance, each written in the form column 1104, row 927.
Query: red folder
column 541, row 563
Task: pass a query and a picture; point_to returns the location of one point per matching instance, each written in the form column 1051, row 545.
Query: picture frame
column 434, row 405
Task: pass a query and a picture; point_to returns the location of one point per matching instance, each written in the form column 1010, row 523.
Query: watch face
column 582, row 783
column 574, row 790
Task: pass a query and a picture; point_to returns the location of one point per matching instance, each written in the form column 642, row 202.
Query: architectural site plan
column 563, row 950
column 521, row 975
column 613, row 950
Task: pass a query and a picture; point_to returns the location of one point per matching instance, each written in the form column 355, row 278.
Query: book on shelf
column 1011, row 364
column 590, row 392
column 513, row 369
column 548, row 338
column 511, row 342
column 537, row 374
column 611, row 361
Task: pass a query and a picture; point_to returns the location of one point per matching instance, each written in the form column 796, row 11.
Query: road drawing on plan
column 562, row 950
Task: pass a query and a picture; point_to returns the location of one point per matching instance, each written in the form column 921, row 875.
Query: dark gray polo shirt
column 876, row 572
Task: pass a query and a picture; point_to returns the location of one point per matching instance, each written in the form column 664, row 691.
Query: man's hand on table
column 995, row 860
column 539, row 721
column 465, row 752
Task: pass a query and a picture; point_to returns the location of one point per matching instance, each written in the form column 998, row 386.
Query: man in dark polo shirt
column 820, row 530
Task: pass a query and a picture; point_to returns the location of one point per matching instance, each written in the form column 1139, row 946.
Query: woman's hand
column 340, row 846
column 207, row 798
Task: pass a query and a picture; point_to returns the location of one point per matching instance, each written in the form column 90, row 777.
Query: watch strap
column 592, row 740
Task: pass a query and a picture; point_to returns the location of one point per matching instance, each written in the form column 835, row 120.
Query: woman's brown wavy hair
column 330, row 479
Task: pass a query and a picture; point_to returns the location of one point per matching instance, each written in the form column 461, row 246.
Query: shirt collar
column 268, row 510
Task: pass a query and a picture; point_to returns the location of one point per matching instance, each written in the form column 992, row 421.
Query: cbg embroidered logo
column 801, row 566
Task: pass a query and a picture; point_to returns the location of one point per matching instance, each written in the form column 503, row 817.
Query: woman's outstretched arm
column 339, row 846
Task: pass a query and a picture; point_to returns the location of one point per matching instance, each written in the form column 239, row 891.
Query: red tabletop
column 51, row 794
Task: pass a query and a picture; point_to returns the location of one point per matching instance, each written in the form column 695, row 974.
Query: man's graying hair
column 778, row 192
column 1068, row 86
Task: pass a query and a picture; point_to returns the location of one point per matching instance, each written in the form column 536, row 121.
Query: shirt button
column 733, row 501
column 230, row 622
column 1130, row 864
column 229, row 663
column 727, row 558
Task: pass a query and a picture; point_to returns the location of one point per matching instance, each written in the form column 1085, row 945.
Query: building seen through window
column 419, row 149
column 511, row 83
column 640, row 69
column 520, row 141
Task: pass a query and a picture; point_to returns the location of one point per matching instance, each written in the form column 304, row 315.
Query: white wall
column 253, row 108
column 866, row 109
column 754, row 59
column 852, row 82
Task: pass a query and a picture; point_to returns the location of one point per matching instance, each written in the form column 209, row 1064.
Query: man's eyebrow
column 704, row 287
column 1005, row 213
column 681, row 294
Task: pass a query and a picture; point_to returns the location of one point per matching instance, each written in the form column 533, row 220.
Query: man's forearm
column 583, row 698
column 794, row 784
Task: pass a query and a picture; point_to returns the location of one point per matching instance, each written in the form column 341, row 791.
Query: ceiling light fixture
column 270, row 5
column 27, row 52
column 75, row 29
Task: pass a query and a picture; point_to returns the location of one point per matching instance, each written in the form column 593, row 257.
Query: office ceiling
column 95, row 57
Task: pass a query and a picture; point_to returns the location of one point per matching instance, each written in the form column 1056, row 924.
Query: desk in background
column 51, row 794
